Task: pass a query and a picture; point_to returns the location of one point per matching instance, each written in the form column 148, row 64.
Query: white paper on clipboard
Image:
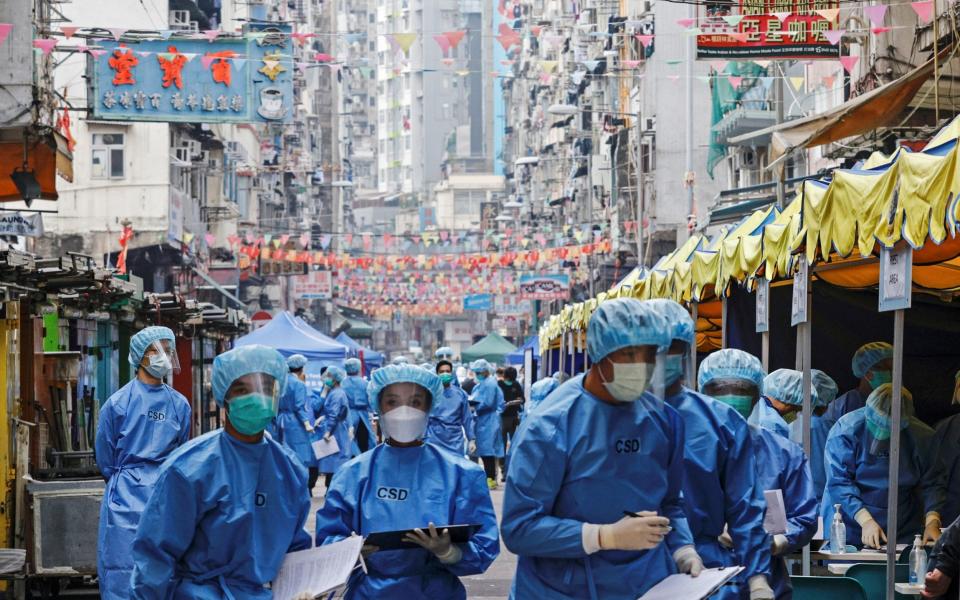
column 317, row 571
column 686, row 587
column 323, row 448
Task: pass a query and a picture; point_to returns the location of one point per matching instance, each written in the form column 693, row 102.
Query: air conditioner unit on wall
column 179, row 19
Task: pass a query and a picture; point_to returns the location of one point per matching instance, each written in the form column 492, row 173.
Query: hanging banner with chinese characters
column 768, row 30
column 246, row 79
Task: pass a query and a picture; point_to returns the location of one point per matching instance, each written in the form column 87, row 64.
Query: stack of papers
column 317, row 571
column 692, row 588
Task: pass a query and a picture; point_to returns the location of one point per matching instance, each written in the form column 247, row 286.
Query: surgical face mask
column 159, row 365
column 878, row 378
column 404, row 424
column 481, row 376
column 328, row 382
column 630, row 380
column 250, row 414
column 743, row 404
column 446, row 378
column 790, row 417
column 673, row 368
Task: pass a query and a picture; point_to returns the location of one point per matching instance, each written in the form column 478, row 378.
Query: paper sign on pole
column 896, row 278
column 763, row 306
column 798, row 311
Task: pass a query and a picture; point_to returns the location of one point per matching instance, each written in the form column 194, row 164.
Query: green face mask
column 250, row 414
column 878, row 378
column 740, row 403
column 446, row 378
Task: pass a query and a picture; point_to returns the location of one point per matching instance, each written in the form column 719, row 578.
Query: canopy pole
column 563, row 351
column 894, row 472
column 807, row 334
column 723, row 320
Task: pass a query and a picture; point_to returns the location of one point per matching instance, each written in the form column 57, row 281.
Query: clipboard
column 393, row 540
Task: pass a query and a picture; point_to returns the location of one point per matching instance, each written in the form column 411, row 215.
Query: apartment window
column 107, row 156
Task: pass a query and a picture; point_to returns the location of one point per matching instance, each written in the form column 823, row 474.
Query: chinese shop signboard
column 769, row 30
column 247, row 79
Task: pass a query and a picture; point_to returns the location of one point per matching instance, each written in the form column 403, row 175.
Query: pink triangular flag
column 686, row 23
column 849, row 62
column 875, row 13
column 718, row 65
column 830, row 14
column 68, row 31
column 206, row 60
column 96, row 52
column 879, row 30
column 735, row 81
column 45, row 44
column 631, row 64
column 211, row 34
column 923, row 9
column 5, row 29
column 781, row 16
column 117, row 33
column 828, row 81
column 645, row 40
column 833, row 35
column 209, row 238
column 143, row 53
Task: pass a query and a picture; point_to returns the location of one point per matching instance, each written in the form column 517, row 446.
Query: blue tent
column 289, row 336
column 371, row 358
column 516, row 357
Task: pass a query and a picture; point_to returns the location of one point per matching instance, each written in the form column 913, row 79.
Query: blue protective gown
column 487, row 399
column 287, row 427
column 223, row 515
column 719, row 486
column 580, row 460
column 819, row 429
column 450, row 420
column 139, row 426
column 781, row 465
column 857, row 479
column 356, row 389
column 540, row 390
column 390, row 489
column 844, row 404
column 947, row 444
column 766, row 416
column 335, row 412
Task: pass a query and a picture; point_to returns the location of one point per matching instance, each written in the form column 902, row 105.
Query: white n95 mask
column 630, row 380
column 404, row 424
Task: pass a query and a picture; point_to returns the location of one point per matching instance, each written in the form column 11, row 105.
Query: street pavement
column 492, row 585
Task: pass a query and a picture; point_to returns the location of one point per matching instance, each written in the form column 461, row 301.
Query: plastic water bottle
column 838, row 532
column 918, row 562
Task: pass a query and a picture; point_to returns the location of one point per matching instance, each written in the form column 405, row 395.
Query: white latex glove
column 635, row 533
column 327, row 436
column 437, row 542
column 724, row 538
column 760, row 589
column 872, row 535
column 308, row 426
column 688, row 561
column 779, row 544
column 931, row 532
column 350, row 432
column 472, row 447
column 317, row 422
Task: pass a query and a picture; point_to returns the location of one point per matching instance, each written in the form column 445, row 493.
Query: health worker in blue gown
column 230, row 504
column 857, row 461
column 359, row 423
column 488, row 404
column 782, row 397
column 601, row 448
column 405, row 484
column 293, row 424
column 826, row 392
column 719, row 472
column 333, row 422
column 451, row 421
column 543, row 388
column 872, row 365
column 139, row 426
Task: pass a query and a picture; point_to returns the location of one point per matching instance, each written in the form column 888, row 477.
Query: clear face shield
column 738, row 394
column 630, row 372
column 160, row 359
column 252, row 402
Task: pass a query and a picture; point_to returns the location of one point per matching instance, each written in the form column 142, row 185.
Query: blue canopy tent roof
column 516, row 357
column 371, row 358
column 289, row 336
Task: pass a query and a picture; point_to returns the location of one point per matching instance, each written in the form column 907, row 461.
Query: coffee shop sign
column 245, row 79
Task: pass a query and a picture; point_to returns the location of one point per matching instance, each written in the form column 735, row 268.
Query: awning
column 213, row 283
column 47, row 157
column 877, row 108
